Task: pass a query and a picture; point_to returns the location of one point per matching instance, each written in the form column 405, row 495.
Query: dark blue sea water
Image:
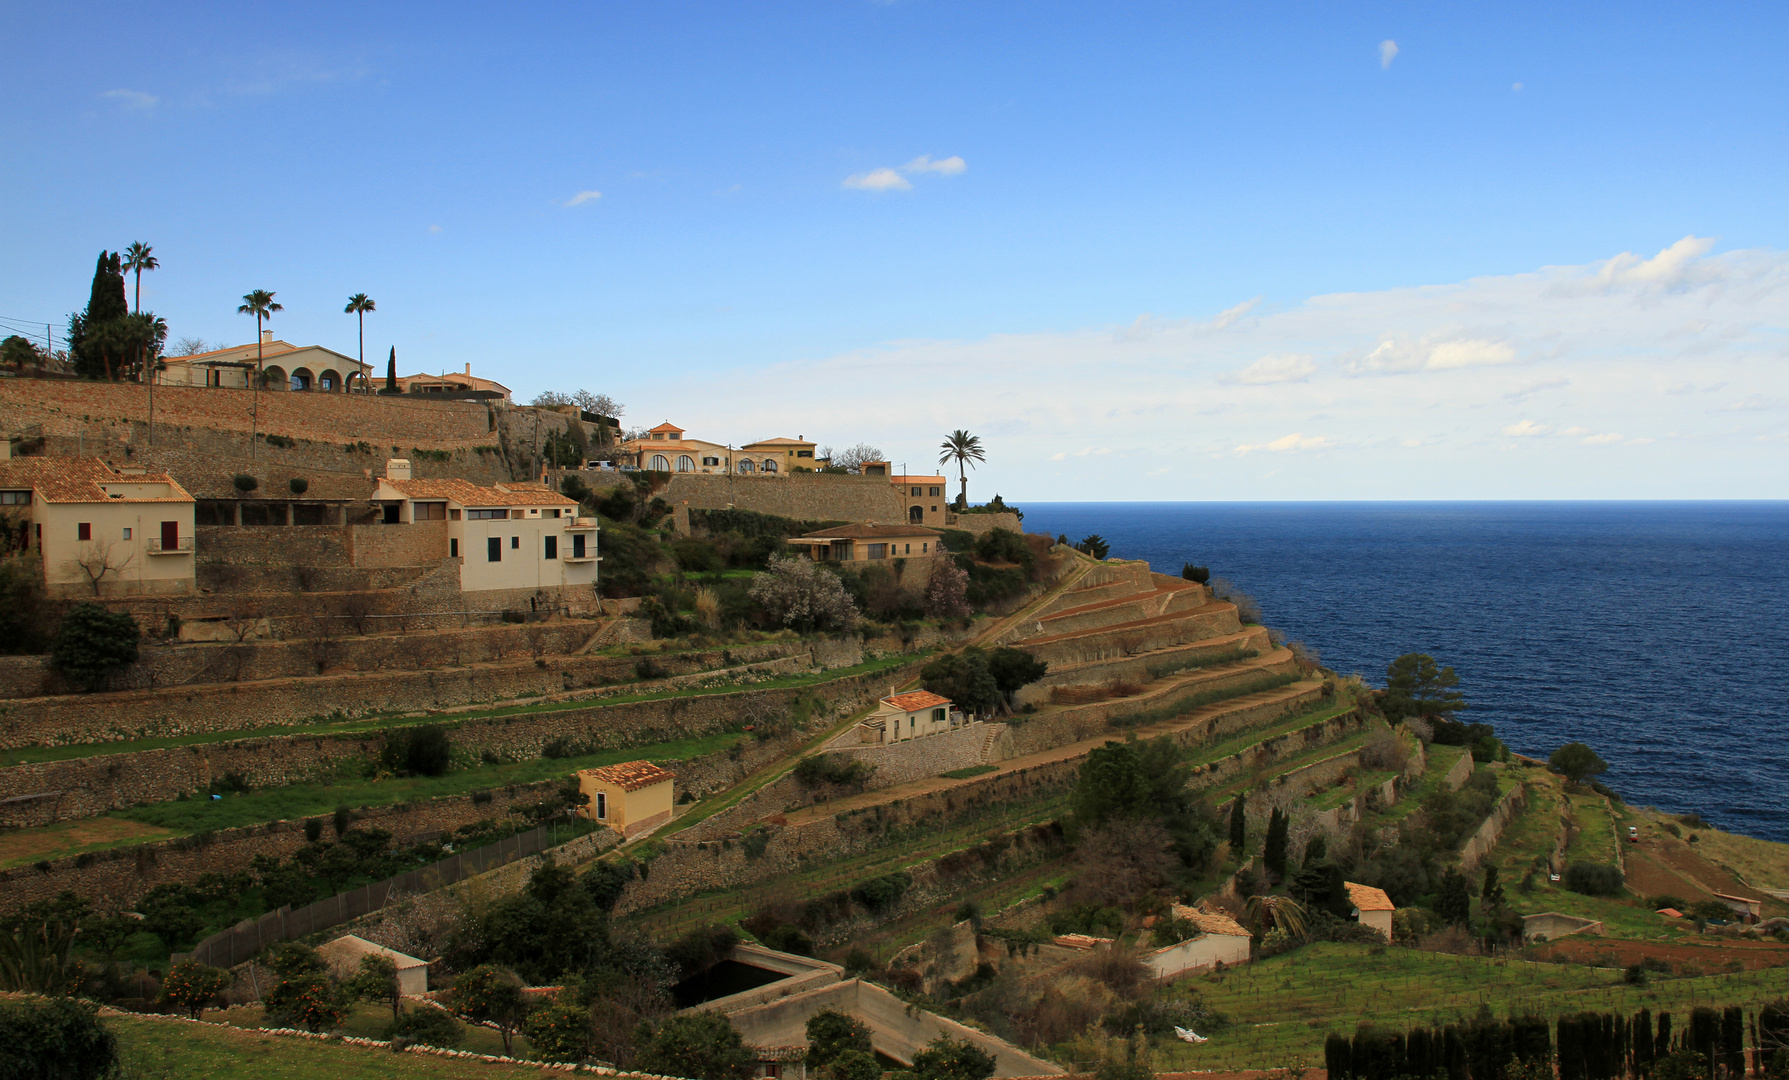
column 1655, row 632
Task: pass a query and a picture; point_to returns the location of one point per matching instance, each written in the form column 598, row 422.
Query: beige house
column 925, row 497
column 669, row 448
column 1371, row 907
column 457, row 382
column 283, row 366
column 95, row 530
column 630, row 798
column 1220, row 940
column 869, row 543
column 507, row 537
column 913, row 715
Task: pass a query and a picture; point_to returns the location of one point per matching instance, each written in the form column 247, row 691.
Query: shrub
column 558, row 1031
column 430, row 1027
column 1200, row 574
column 704, row 1046
column 789, row 939
column 424, row 750
column 194, row 987
column 299, row 485
column 830, row 769
column 1095, row 545
column 245, row 483
column 21, row 605
column 947, row 591
column 794, row 593
column 1593, row 879
column 881, row 893
column 92, row 643
column 57, row 1037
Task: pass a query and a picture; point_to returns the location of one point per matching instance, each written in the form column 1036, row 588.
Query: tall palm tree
column 1275, row 913
column 137, row 258
column 259, row 304
column 359, row 304
column 964, row 449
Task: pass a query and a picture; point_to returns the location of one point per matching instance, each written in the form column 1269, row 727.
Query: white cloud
column 1275, row 368
column 132, row 99
column 949, row 166
column 1396, row 355
column 1060, row 455
column 583, row 197
column 1388, row 51
column 1523, row 428
column 1294, row 442
column 893, row 180
column 1536, row 387
column 1605, row 439
column 879, row 180
column 1517, row 87
column 1673, row 268
column 434, row 228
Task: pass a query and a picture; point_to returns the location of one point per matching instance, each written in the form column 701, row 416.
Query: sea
column 1656, row 632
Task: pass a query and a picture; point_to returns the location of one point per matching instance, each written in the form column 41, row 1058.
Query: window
column 876, row 551
column 906, row 549
column 515, row 543
column 937, row 716
column 746, row 466
column 84, row 531
column 127, row 533
column 15, row 498
column 577, row 545
column 912, row 722
column 660, row 463
column 685, row 463
column 773, row 1070
column 933, row 492
column 453, row 547
column 804, row 453
column 602, row 805
column 770, row 465
column 915, row 491
column 494, row 549
column 428, row 511
column 453, row 515
column 711, row 461
column 553, row 513
column 924, row 547
column 486, row 515
column 517, row 515
column 552, row 551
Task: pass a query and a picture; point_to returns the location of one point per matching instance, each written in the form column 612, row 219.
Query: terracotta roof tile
column 466, row 493
column 79, row 480
column 1367, row 898
column 868, row 532
column 632, row 775
column 1080, row 941
column 916, row 700
column 1210, row 922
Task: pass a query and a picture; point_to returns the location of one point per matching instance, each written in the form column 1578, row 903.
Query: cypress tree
column 1316, row 848
column 1453, row 1047
column 91, row 333
column 1455, row 902
column 1338, row 1057
column 1643, row 1054
column 1239, row 823
column 391, row 373
column 1661, row 1044
column 1571, row 1050
column 1705, row 1035
column 1733, row 1040
column 1416, row 1054
column 1492, row 892
column 1274, row 854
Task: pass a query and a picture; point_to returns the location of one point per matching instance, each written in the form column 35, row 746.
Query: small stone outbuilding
column 630, row 798
column 1371, row 907
column 1220, row 940
column 343, row 955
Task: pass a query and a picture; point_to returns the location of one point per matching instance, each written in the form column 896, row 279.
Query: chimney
column 267, row 337
column 397, row 468
column 5, row 447
column 468, row 368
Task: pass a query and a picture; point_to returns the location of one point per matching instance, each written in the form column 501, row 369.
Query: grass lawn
column 163, row 1050
column 1528, row 840
column 1280, row 1009
column 1595, row 842
column 1440, row 760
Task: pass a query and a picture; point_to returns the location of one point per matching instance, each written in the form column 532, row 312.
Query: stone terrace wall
column 87, row 718
column 93, row 785
column 916, row 759
column 983, row 523
column 1076, row 722
column 123, row 874
column 1484, row 841
column 805, row 497
column 251, row 661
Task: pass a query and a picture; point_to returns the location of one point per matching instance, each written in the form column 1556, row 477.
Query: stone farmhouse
column 283, row 366
column 96, row 530
column 507, row 538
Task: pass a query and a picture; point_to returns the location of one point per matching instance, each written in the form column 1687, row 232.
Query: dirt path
column 931, row 785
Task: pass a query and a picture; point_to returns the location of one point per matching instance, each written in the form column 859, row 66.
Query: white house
column 95, row 530
column 1220, row 939
column 914, row 715
column 510, row 537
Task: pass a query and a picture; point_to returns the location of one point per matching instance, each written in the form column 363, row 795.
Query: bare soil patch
column 1710, row 955
column 22, row 846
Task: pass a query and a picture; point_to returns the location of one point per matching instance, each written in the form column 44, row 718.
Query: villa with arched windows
column 283, row 366
column 669, row 448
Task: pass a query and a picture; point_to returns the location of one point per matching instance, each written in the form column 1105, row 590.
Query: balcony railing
column 181, row 546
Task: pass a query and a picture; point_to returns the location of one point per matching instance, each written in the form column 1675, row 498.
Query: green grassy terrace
column 1281, row 1008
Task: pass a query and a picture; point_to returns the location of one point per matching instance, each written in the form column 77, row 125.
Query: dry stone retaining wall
column 1484, row 841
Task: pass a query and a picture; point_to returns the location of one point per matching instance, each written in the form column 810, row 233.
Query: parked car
column 1633, row 834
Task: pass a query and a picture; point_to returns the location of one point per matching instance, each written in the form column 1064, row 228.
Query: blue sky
column 1146, row 251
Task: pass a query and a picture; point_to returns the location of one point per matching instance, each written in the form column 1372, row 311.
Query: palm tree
column 1275, row 913
column 964, row 449
column 259, row 304
column 137, row 258
column 359, row 304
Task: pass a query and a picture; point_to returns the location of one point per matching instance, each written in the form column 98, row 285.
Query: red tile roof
column 466, row 493
column 915, row 700
column 869, row 532
column 1209, row 922
column 1367, row 898
column 666, row 426
column 78, row 480
column 633, row 775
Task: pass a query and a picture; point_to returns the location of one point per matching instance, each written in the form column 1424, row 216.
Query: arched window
column 770, row 464
column 685, row 463
column 745, row 465
column 916, row 515
column 301, row 379
column 275, row 378
column 659, row 464
column 329, row 381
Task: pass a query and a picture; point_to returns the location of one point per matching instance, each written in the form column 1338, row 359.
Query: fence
column 227, row 948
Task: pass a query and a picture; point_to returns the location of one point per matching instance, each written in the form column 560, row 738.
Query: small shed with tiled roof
column 631, row 797
column 1371, row 907
column 1218, row 939
column 912, row 715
